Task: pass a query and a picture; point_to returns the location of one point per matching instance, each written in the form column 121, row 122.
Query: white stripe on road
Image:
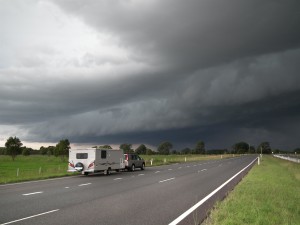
column 193, row 208
column 119, row 178
column 157, row 172
column 29, row 217
column 203, row 170
column 166, row 180
column 33, row 193
column 141, row 174
column 84, row 184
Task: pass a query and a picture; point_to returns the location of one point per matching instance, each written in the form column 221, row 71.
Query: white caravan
column 94, row 160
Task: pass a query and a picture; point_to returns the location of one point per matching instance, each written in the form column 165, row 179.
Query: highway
column 157, row 195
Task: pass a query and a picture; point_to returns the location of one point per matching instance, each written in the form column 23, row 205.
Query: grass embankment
column 34, row 167
column 268, row 195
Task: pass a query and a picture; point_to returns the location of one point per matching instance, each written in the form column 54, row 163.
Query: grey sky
column 136, row 71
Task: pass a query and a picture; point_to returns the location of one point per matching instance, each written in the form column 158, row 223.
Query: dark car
column 133, row 161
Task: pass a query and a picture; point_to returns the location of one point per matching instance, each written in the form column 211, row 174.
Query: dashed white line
column 84, row 184
column 179, row 168
column 67, row 187
column 141, row 174
column 166, row 180
column 119, row 178
column 33, row 193
column 29, row 217
column 170, row 169
column 203, row 170
column 157, row 172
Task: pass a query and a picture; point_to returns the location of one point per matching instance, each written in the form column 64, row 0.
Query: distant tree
column 264, row 148
column 150, row 152
column 25, row 151
column 62, row 148
column 2, row 151
column 13, row 147
column 141, row 150
column 105, row 146
column 200, row 148
column 186, row 151
column 43, row 150
column 164, row 148
column 240, row 148
column 126, row 148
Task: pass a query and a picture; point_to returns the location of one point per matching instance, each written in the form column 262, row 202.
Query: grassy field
column 36, row 167
column 31, row 168
column 268, row 195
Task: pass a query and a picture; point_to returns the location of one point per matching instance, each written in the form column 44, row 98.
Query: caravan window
column 103, row 154
column 81, row 156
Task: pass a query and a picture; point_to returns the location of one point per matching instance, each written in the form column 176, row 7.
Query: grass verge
column 268, row 195
column 34, row 167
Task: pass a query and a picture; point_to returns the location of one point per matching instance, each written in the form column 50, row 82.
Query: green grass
column 34, row 167
column 268, row 195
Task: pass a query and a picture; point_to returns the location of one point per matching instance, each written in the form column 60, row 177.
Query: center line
column 157, row 172
column 119, row 178
column 166, row 180
column 34, row 193
column 84, row 184
column 204, row 170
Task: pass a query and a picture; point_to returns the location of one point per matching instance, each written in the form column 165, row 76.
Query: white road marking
column 157, row 172
column 170, row 169
column 203, row 170
column 166, row 180
column 179, row 168
column 141, row 174
column 119, row 178
column 33, row 193
column 187, row 166
column 84, row 184
column 192, row 209
column 29, row 217
column 67, row 187
column 195, row 165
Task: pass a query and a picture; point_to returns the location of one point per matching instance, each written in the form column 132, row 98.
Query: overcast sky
column 148, row 71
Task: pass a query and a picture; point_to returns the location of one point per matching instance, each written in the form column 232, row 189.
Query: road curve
column 157, row 195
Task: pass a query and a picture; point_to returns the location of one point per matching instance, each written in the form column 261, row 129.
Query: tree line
column 14, row 147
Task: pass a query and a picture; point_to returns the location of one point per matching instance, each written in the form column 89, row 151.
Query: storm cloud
column 109, row 72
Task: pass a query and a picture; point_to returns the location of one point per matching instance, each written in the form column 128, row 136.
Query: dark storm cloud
column 195, row 33
column 219, row 71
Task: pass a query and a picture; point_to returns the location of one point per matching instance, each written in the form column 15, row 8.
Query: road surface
column 157, row 195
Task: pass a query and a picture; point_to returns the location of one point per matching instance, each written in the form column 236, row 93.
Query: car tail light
column 91, row 164
column 126, row 157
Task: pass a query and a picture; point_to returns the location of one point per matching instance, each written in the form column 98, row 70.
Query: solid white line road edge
column 29, row 217
column 190, row 210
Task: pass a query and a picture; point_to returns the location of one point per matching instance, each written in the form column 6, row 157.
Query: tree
column 26, row 151
column 126, row 148
column 164, row 148
column 264, row 148
column 150, row 152
column 200, row 148
column 240, row 147
column 13, row 147
column 186, row 151
column 62, row 148
column 141, row 150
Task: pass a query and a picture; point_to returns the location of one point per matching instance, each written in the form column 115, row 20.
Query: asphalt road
column 157, row 195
